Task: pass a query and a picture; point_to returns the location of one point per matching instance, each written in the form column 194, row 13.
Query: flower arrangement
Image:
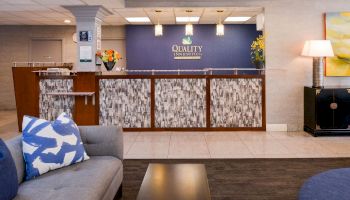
column 109, row 58
column 109, row 55
column 257, row 54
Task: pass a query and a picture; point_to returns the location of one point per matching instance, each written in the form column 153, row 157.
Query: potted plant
column 257, row 53
column 109, row 58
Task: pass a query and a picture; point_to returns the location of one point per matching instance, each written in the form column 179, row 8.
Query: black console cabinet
column 327, row 111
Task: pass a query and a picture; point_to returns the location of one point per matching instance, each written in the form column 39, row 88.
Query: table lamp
column 318, row 49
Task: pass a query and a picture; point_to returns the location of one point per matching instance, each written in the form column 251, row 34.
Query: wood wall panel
column 26, row 85
column 85, row 114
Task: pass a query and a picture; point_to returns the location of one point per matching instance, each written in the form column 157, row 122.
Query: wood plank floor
column 243, row 179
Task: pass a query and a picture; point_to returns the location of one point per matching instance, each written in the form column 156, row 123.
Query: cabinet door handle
column 333, row 106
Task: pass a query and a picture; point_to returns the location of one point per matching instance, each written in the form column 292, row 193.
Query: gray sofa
column 100, row 177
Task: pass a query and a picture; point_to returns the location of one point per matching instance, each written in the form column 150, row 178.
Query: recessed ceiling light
column 137, row 19
column 236, row 19
column 187, row 19
column 67, row 21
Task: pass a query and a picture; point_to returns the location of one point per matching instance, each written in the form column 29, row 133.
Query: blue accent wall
column 145, row 51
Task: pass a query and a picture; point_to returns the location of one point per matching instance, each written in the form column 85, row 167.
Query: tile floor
column 216, row 144
column 233, row 145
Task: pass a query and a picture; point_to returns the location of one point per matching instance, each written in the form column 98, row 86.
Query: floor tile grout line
column 253, row 154
column 248, row 148
column 285, row 146
column 133, row 142
column 324, row 146
column 310, row 142
column 206, row 142
column 171, row 135
column 127, row 152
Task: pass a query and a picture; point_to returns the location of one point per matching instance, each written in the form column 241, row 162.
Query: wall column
column 88, row 30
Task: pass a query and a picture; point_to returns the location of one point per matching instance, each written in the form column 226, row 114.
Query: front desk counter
column 148, row 102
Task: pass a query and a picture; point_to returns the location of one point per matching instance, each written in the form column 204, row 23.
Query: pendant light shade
column 220, row 29
column 158, row 30
column 189, row 26
column 189, row 30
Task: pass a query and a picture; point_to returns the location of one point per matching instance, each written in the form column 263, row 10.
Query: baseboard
column 276, row 127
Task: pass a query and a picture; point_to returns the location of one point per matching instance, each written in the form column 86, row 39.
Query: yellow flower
column 258, row 43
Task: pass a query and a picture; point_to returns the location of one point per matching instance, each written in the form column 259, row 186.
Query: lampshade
column 158, row 30
column 220, row 29
column 189, row 30
column 318, row 48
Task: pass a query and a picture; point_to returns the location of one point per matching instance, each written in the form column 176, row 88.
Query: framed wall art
column 337, row 30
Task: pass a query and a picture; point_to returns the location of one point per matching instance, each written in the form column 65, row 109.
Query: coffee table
column 175, row 182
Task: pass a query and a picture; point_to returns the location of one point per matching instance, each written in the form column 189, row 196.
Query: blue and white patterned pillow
column 49, row 145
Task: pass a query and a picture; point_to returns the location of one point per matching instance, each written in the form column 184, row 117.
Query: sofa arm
column 102, row 140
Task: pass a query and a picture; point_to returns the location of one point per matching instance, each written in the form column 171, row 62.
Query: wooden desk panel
column 85, row 114
column 89, row 114
column 26, row 92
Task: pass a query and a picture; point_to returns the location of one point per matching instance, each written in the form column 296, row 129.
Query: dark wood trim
column 123, row 76
column 84, row 114
column 55, row 77
column 263, row 102
column 237, row 76
column 97, row 101
column 175, row 76
column 195, row 129
column 236, row 129
column 153, row 102
column 208, row 103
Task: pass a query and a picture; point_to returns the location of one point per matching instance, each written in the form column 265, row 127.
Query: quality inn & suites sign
column 187, row 51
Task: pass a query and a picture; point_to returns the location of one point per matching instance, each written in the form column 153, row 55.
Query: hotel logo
column 187, row 51
column 187, row 40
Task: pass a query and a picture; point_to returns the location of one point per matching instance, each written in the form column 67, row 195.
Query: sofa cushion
column 50, row 145
column 8, row 174
column 88, row 180
column 15, row 147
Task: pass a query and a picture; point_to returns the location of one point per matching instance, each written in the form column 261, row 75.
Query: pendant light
column 189, row 26
column 189, row 29
column 158, row 28
column 220, row 28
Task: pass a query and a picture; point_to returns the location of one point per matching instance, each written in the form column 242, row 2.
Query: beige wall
column 288, row 24
column 15, row 46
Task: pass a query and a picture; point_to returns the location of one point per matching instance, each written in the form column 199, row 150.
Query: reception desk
column 152, row 102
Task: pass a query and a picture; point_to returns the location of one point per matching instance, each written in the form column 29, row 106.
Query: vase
column 109, row 65
column 259, row 65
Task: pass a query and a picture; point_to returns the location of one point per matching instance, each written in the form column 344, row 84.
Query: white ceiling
column 50, row 12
